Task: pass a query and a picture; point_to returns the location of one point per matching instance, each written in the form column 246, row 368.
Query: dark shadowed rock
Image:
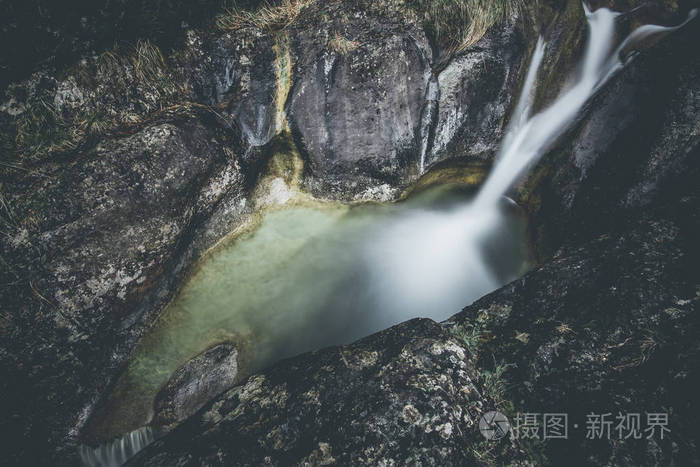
column 635, row 145
column 194, row 384
column 607, row 327
column 237, row 73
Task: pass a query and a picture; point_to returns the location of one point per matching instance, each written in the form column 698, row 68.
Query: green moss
column 283, row 67
column 466, row 172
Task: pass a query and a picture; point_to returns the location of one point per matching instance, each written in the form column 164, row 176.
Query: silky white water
column 529, row 137
column 313, row 276
column 117, row 452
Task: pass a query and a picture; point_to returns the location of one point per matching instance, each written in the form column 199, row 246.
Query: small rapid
column 118, row 451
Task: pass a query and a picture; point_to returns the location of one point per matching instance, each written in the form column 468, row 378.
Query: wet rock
column 632, row 149
column 612, row 329
column 238, row 74
column 194, row 384
column 477, row 89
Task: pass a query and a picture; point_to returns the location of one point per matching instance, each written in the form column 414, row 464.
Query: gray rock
column 356, row 111
column 633, row 147
column 477, row 89
column 237, row 73
column 194, row 384
column 404, row 396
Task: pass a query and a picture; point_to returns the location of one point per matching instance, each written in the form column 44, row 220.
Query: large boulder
column 237, row 73
column 359, row 90
column 606, row 327
column 407, row 395
column 477, row 89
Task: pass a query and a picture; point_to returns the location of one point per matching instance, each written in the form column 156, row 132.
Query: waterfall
column 529, row 137
column 427, row 255
column 432, row 96
column 115, row 453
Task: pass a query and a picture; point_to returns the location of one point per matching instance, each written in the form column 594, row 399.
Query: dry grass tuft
column 42, row 130
column 267, row 17
column 341, row 45
column 459, row 24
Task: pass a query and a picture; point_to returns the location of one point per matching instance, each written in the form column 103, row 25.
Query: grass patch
column 457, row 24
column 42, row 128
column 470, row 336
column 267, row 17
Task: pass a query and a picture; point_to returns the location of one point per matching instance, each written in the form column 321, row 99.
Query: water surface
column 311, row 276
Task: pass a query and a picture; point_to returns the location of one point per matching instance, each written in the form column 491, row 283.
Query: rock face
column 636, row 145
column 607, row 327
column 238, row 74
column 194, row 384
column 477, row 89
column 359, row 91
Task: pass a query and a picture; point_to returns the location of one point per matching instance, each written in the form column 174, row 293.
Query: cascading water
column 430, row 255
column 117, row 452
column 531, row 136
column 432, row 97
